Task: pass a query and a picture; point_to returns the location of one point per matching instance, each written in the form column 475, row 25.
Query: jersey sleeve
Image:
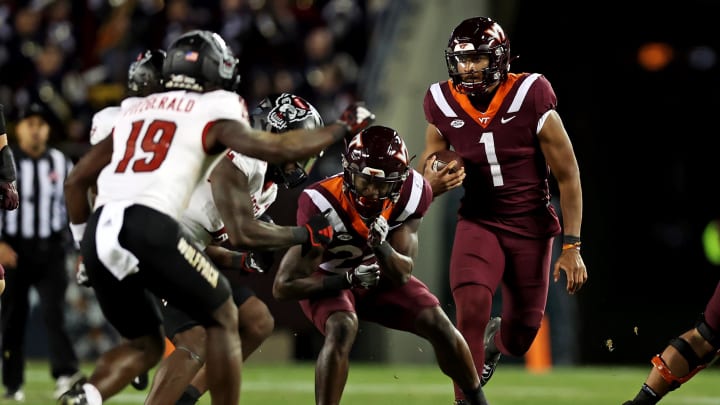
column 428, row 107
column 222, row 104
column 249, row 166
column 306, row 209
column 543, row 96
column 102, row 124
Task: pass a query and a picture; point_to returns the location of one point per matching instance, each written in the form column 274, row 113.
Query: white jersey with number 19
column 158, row 147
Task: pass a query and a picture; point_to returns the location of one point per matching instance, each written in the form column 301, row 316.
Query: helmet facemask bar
column 296, row 176
column 388, row 189
column 478, row 36
column 465, row 82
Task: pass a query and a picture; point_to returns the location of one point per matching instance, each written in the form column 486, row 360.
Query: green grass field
column 426, row 385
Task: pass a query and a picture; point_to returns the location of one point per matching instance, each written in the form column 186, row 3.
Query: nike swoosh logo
column 504, row 120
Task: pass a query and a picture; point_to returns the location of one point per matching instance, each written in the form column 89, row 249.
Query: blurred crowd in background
column 72, row 57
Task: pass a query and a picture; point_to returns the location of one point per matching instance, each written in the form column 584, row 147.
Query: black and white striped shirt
column 40, row 181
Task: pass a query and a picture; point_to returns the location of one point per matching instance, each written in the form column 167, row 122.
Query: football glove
column 249, row 264
column 320, row 232
column 364, row 276
column 378, row 232
column 355, row 118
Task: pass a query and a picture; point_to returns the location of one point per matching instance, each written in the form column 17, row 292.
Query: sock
column 190, row 396
column 646, row 396
column 92, row 394
column 475, row 397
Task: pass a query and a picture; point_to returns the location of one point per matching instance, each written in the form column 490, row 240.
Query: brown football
column 443, row 157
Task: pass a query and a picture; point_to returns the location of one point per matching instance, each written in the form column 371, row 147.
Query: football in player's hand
column 445, row 156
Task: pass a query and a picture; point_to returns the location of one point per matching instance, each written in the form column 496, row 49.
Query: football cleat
column 491, row 357
column 75, row 395
column 140, row 382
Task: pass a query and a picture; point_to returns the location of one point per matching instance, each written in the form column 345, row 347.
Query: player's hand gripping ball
column 444, row 157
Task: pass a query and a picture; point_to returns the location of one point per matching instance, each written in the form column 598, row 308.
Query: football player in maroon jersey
column 376, row 206
column 511, row 138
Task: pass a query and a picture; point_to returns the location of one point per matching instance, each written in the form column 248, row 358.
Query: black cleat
column 491, row 357
column 140, row 382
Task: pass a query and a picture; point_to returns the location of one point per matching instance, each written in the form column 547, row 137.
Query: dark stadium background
column 647, row 144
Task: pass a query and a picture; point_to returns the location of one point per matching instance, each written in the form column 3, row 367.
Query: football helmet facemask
column 145, row 73
column 280, row 113
column 375, row 165
column 469, row 40
column 199, row 60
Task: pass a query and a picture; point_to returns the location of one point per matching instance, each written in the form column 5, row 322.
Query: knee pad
column 708, row 333
column 695, row 363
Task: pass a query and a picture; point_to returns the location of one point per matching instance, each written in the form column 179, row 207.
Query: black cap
column 32, row 109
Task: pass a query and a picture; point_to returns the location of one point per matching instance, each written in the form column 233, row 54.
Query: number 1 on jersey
column 487, row 139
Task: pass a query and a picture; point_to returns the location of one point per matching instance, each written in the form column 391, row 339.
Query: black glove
column 250, row 264
column 355, row 118
column 364, row 276
column 320, row 232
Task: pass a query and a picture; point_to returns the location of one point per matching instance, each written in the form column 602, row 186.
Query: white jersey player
column 133, row 247
column 253, row 186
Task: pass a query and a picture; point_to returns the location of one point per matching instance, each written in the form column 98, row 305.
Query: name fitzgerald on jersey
column 198, row 261
column 178, row 104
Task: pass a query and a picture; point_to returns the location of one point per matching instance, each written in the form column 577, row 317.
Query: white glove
column 364, row 275
column 378, row 232
column 81, row 274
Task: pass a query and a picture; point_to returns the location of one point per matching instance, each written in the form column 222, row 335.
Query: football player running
column 506, row 128
column 133, row 246
column 245, row 188
column 376, row 207
column 144, row 78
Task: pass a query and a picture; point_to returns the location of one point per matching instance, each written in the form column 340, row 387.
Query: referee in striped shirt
column 33, row 243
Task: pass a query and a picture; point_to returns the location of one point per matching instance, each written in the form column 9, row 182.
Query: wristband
column 3, row 130
column 335, row 282
column 568, row 246
column 570, row 239
column 78, row 230
column 237, row 260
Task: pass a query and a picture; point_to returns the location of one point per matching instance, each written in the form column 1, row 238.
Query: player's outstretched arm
column 299, row 145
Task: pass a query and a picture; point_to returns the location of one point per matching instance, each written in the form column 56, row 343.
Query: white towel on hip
column 116, row 258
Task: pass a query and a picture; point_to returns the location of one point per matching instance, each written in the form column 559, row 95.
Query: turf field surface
column 383, row 384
